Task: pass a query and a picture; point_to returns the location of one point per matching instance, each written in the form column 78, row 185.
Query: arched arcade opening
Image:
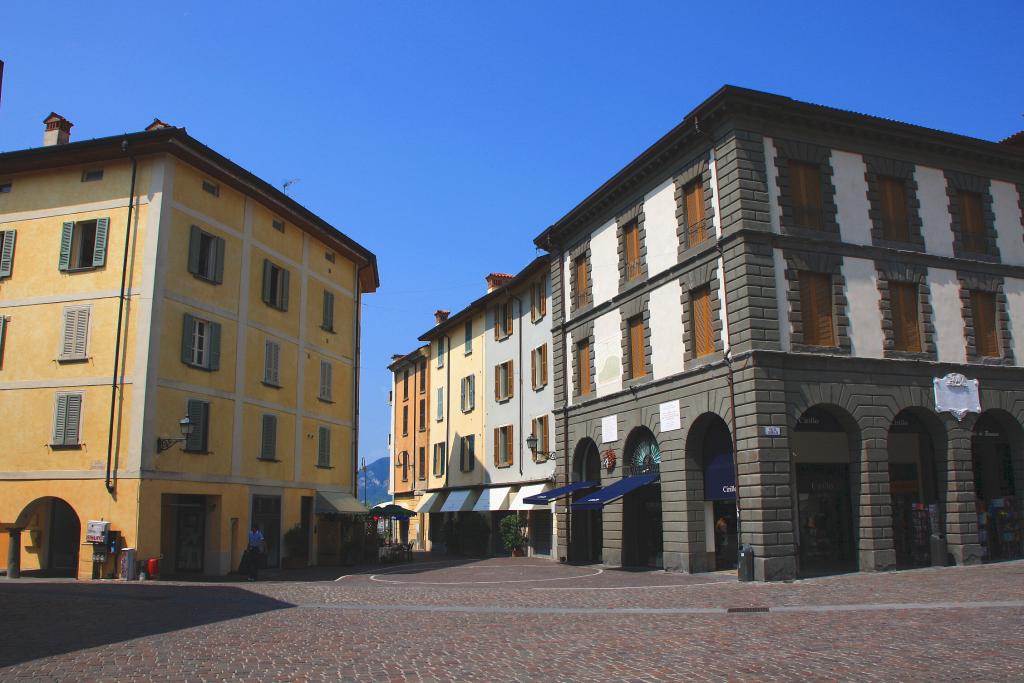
column 585, row 534
column 997, row 451
column 50, row 539
column 641, row 507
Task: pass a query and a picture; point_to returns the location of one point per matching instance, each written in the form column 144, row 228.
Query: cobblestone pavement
column 521, row 620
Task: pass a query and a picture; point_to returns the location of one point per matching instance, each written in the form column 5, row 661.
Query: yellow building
column 145, row 279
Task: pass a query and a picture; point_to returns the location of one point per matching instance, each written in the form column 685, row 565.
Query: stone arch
column 641, row 451
column 642, row 531
column 586, row 537
column 710, row 472
column 52, row 532
column 586, row 461
column 997, row 459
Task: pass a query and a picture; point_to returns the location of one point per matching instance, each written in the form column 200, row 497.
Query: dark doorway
column 720, row 491
column 641, row 509
column 913, row 488
column 190, row 534
column 586, row 542
column 266, row 514
column 306, row 521
column 1000, row 527
column 540, row 531
column 64, row 540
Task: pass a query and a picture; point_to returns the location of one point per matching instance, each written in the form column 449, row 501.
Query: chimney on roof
column 440, row 316
column 495, row 280
column 157, row 125
column 58, row 130
column 1015, row 140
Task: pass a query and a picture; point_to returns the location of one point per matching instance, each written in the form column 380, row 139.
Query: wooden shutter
column 533, row 368
column 323, row 451
column 60, row 418
column 218, row 259
column 213, row 344
column 906, row 328
column 195, row 243
column 581, row 282
column 894, row 209
column 508, row 379
column 99, row 250
column 544, row 365
column 805, row 191
column 472, row 392
column 268, row 450
column 7, row 252
column 497, row 447
column 703, row 332
column 440, row 403
column 326, row 373
column 583, row 361
column 462, row 394
column 67, row 348
column 542, row 296
column 497, row 382
column 3, row 337
column 467, row 344
column 271, row 362
column 283, row 294
column 816, row 308
column 972, row 224
column 507, row 308
column 66, row 235
column 268, row 294
column 73, row 419
column 637, row 366
column 328, row 322
column 631, row 237
column 694, row 206
column 81, row 333
column 983, row 314
column 471, row 440
column 188, row 322
column 510, row 449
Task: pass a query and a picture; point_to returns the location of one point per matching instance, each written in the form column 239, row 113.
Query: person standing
column 253, row 552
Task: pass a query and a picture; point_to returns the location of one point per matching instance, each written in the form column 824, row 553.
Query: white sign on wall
column 670, row 416
column 609, row 428
column 956, row 394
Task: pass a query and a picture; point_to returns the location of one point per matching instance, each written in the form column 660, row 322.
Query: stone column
column 14, row 554
column 875, row 547
column 961, row 514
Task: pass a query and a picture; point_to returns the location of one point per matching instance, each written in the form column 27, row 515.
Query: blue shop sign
column 720, row 478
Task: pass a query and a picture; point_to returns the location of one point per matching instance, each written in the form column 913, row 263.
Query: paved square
column 521, row 620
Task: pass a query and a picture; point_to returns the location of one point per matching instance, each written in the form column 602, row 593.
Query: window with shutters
column 541, row 430
column 268, row 439
column 7, row 238
column 277, row 224
column 421, row 465
column 440, row 404
column 805, row 194
column 440, row 352
column 83, row 244
column 199, row 415
column 816, row 308
column 67, row 419
column 403, row 462
column 503, row 380
column 986, row 329
column 323, row 447
column 467, row 344
column 206, row 256
column 637, row 357
column 200, row 343
column 75, row 334
column 972, row 222
column 693, row 208
column 631, row 244
column 582, row 295
column 906, row 322
column 405, row 420
column 538, row 300
column 700, row 316
column 895, row 221
column 327, row 322
column 539, row 367
column 503, row 446
column 405, row 385
column 423, row 377
column 503, row 320
column 211, row 187
column 440, row 459
column 467, row 399
column 326, row 381
column 272, row 363
column 275, row 286
column 583, row 362
column 423, row 415
column 3, row 338
column 467, row 453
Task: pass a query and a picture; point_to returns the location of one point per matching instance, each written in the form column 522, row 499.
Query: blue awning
column 720, row 478
column 598, row 499
column 545, row 497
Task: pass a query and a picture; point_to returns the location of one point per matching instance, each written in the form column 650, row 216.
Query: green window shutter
column 67, row 346
column 267, row 294
column 198, row 414
column 283, row 298
column 81, row 332
column 60, row 418
column 326, row 373
column 67, row 231
column 328, row 310
column 462, row 395
column 195, row 241
column 214, row 342
column 323, row 456
column 74, row 417
column 218, row 260
column 268, row 449
column 99, row 251
column 7, row 252
column 186, row 338
column 267, row 361
column 3, row 336
column 472, row 391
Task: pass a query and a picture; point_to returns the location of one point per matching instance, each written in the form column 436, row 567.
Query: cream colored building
column 237, row 308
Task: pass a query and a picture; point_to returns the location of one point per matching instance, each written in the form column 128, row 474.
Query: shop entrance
column 914, row 490
column 53, row 534
column 266, row 514
column 711, row 446
column 190, row 534
column 585, row 538
column 641, row 508
column 997, row 485
column 824, row 494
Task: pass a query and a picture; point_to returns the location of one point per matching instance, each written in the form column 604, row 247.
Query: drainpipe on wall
column 519, row 304
column 355, row 385
column 108, row 480
column 447, row 405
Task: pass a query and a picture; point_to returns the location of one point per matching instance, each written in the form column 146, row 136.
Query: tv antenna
column 288, row 183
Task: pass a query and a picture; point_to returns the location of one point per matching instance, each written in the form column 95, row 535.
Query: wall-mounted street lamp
column 186, row 431
column 531, row 443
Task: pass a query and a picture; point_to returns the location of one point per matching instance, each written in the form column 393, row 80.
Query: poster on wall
column 956, row 394
column 609, row 428
column 670, row 419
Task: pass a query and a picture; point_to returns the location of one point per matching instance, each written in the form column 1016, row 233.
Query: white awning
column 431, row 502
column 492, row 499
column 338, row 503
column 526, row 492
column 459, row 501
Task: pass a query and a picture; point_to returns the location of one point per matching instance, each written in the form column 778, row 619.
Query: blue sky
column 445, row 136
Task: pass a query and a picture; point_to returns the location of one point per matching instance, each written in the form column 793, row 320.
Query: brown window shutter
column 544, row 365
column 700, row 314
column 694, row 206
column 632, row 240
column 497, row 382
column 581, row 281
column 497, row 431
column 905, row 323
column 983, row 314
column 542, row 299
column 971, row 222
column 511, row 452
column 636, row 347
column 508, row 377
column 894, row 209
column 816, row 308
column 533, row 368
column 805, row 190
column 544, row 424
column 583, row 360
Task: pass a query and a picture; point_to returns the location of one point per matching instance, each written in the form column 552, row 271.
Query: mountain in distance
column 376, row 482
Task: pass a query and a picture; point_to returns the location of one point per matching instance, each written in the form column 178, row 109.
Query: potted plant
column 296, row 542
column 513, row 534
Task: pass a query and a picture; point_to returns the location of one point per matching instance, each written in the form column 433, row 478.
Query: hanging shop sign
column 956, row 394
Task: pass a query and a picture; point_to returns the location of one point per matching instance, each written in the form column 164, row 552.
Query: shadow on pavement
column 53, row 618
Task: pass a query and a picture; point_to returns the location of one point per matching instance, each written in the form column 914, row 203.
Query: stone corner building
column 786, row 282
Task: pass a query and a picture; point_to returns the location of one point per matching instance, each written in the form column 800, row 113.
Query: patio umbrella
column 391, row 511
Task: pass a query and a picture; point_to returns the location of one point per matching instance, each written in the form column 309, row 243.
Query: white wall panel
column 604, row 263
column 931, row 194
column 1014, row 289
column 947, row 315
column 1006, row 206
column 667, row 340
column 851, row 197
column 660, row 228
column 862, row 299
column 608, row 352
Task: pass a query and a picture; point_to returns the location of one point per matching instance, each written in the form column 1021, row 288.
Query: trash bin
column 128, row 564
column 939, row 552
column 745, row 570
